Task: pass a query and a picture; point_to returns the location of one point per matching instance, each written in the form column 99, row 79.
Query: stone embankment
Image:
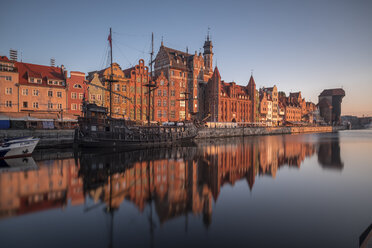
column 206, row 133
column 65, row 138
column 48, row 138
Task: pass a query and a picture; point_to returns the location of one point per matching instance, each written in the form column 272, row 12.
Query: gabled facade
column 76, row 92
column 187, row 74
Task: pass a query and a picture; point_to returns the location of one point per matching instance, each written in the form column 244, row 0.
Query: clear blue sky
column 297, row 45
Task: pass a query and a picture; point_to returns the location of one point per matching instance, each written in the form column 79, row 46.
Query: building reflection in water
column 329, row 154
column 176, row 181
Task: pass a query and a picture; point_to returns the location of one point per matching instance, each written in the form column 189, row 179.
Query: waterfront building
column 186, row 74
column 9, row 101
column 96, row 90
column 41, row 88
column 128, row 99
column 255, row 99
column 165, row 101
column 136, row 78
column 226, row 102
column 272, row 93
column 76, row 92
column 330, row 105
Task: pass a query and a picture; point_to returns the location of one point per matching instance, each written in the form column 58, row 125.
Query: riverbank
column 48, row 138
column 65, row 138
column 206, row 133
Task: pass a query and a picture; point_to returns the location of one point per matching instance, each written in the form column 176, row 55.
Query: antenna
column 52, row 62
column 187, row 49
column 13, row 54
column 208, row 33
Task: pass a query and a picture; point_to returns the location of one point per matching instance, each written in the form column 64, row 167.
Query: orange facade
column 8, row 86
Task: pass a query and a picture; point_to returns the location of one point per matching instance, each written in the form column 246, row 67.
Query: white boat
column 19, row 147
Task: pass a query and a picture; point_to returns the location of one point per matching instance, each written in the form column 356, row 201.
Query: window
column 124, row 88
column 182, row 104
column 73, row 106
column 173, row 92
column 173, row 103
column 117, row 87
column 59, row 105
column 99, row 97
column 35, row 92
column 117, row 110
column 93, row 97
column 25, row 104
column 80, row 106
column 172, row 73
column 161, row 82
column 159, row 103
column 25, row 92
column 35, row 105
column 59, row 94
column 165, row 103
column 164, row 92
column 77, row 86
column 180, row 74
column 50, row 105
column 73, row 95
column 8, row 91
column 8, row 78
column 81, row 95
column 173, row 114
column 138, row 100
column 164, row 113
column 131, row 89
column 50, row 93
column 8, row 104
column 182, row 115
column 159, row 113
column 172, row 83
column 159, row 92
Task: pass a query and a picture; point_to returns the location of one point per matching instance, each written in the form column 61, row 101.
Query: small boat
column 18, row 147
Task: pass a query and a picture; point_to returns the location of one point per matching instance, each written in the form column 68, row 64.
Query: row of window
column 25, row 92
column 7, row 78
column 35, row 105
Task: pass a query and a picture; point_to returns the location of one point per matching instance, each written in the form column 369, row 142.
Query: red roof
column 39, row 71
column 252, row 82
column 333, row 92
column 4, row 59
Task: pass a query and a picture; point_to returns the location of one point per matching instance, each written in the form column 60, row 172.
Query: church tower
column 208, row 55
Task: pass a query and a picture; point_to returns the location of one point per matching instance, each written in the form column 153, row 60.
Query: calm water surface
column 308, row 190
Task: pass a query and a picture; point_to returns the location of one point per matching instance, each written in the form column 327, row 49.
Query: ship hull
column 125, row 144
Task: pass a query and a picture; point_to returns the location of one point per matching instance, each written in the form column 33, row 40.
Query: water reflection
column 177, row 181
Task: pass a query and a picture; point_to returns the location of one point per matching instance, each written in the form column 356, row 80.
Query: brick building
column 186, row 73
column 164, row 100
column 330, row 105
column 226, row 102
column 76, row 92
column 8, row 86
column 41, row 88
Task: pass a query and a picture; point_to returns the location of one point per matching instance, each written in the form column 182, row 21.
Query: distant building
column 96, row 90
column 330, row 105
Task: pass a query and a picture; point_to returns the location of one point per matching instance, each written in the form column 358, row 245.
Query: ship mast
column 111, row 77
column 150, row 87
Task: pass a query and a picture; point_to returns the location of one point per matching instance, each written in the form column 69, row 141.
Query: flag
column 110, row 40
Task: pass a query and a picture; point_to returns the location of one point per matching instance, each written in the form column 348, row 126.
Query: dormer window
column 77, row 86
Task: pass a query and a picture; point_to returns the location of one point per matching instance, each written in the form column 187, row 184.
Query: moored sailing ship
column 97, row 128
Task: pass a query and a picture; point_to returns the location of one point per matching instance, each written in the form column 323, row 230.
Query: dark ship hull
column 96, row 129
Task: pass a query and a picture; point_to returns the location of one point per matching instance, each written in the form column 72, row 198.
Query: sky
column 302, row 45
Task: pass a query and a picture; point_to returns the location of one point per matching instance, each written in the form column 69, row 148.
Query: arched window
column 77, row 86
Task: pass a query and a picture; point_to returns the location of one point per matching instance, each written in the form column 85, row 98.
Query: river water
column 307, row 190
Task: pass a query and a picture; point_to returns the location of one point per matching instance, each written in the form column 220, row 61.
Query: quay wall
column 65, row 138
column 206, row 133
column 48, row 138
